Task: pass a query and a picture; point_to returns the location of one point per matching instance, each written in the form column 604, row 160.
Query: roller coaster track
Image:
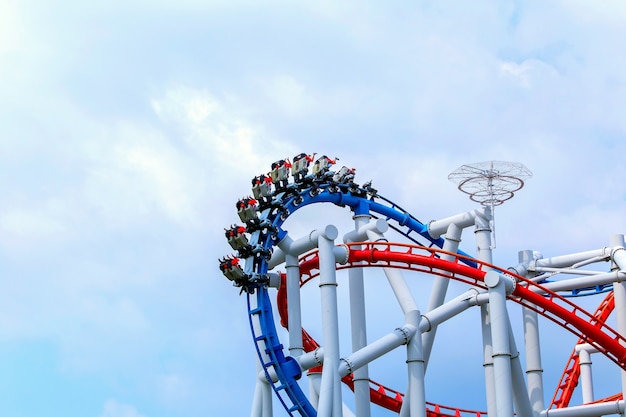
column 589, row 328
column 266, row 232
column 265, row 229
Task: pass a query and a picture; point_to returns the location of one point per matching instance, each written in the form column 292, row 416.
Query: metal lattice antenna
column 490, row 183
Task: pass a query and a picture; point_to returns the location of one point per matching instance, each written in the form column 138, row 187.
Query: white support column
column 483, row 235
column 288, row 251
column 619, row 292
column 359, row 333
column 490, row 386
column 330, row 403
column 520, row 399
column 404, row 409
column 314, row 388
column 268, row 409
column 257, row 401
column 586, row 378
column 415, row 364
column 440, row 286
column 534, row 369
column 483, row 249
column 498, row 287
column 294, row 319
column 262, row 402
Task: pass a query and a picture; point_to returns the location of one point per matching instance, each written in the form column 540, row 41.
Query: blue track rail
column 269, row 232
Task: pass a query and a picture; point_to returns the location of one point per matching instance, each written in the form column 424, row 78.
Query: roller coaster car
column 261, row 186
column 280, row 171
column 321, row 166
column 300, row 166
column 236, row 237
column 369, row 189
column 246, row 209
column 344, row 176
column 231, row 269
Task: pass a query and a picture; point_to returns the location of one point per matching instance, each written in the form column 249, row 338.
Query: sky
column 128, row 130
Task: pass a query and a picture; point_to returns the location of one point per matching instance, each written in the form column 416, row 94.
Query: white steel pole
column 619, row 292
column 359, row 332
column 582, row 282
column 330, row 403
column 586, row 379
column 268, row 409
column 565, row 261
column 534, row 369
column 490, row 388
column 498, row 287
column 294, row 319
column 521, row 401
column 483, row 243
column 294, row 247
column 440, row 286
column 314, row 388
column 257, row 401
column 415, row 364
column 289, row 250
column 400, row 290
column 438, row 227
column 385, row 344
column 483, row 235
column 587, row 410
column 262, row 403
column 409, row 306
column 470, row 298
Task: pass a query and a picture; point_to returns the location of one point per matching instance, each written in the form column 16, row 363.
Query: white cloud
column 290, row 95
column 605, row 12
column 530, row 72
column 113, row 408
column 19, row 225
column 136, row 173
column 218, row 133
column 11, row 27
column 173, row 388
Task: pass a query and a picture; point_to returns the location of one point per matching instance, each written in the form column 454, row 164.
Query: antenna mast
column 490, row 183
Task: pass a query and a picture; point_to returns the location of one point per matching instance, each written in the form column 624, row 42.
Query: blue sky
column 128, row 130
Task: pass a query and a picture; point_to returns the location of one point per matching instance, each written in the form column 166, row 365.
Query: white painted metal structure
column 278, row 265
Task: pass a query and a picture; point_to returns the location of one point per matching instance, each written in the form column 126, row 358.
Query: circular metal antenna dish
column 490, row 183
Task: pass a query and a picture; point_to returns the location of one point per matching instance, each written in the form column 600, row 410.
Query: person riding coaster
column 322, row 165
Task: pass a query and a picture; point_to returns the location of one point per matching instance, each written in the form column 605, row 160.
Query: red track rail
column 589, row 328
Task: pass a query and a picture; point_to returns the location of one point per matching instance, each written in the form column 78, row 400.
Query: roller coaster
column 308, row 378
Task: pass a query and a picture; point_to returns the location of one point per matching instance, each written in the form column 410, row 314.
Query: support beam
column 534, row 369
column 359, row 327
column 330, row 403
column 498, row 288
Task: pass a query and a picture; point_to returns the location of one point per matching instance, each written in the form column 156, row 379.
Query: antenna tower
column 490, row 183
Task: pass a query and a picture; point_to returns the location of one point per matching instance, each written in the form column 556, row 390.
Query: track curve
column 264, row 219
column 266, row 232
column 590, row 328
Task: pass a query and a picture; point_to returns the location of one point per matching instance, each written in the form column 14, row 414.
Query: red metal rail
column 589, row 328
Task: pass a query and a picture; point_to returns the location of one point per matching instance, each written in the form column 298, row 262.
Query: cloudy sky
column 128, row 130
